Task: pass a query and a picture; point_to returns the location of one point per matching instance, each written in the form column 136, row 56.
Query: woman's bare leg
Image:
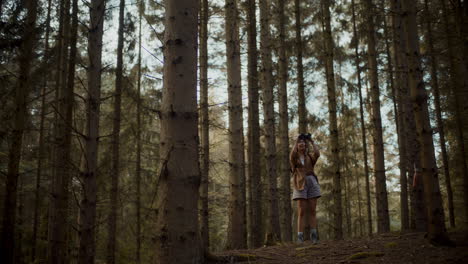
column 301, row 211
column 313, row 212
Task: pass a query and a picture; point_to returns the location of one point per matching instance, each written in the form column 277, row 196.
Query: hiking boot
column 314, row 236
column 300, row 238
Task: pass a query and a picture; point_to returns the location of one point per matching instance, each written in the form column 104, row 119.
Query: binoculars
column 304, row 136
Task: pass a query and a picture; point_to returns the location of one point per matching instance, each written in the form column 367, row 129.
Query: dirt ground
column 383, row 248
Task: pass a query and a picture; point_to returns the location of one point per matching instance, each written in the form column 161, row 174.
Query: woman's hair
column 294, row 152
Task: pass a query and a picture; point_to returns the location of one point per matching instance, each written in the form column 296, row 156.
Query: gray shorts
column 311, row 189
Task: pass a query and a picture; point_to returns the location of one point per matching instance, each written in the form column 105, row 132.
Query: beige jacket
column 300, row 171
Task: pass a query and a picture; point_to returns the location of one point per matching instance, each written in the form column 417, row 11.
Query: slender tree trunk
column 440, row 122
column 344, row 146
column 237, row 235
column 399, row 96
column 138, row 139
column 58, row 223
column 406, row 120
column 333, row 126
column 205, row 128
column 254, row 179
column 435, row 210
column 418, row 218
column 404, row 210
column 273, row 227
column 25, row 58
column 20, row 221
column 283, row 144
column 383, row 221
column 458, row 75
column 177, row 239
column 40, row 158
column 363, row 127
column 89, row 175
column 300, row 70
column 115, row 172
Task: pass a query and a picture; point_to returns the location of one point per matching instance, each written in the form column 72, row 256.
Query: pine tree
column 435, row 211
column 23, row 86
column 383, row 221
column 362, row 121
column 254, row 180
column 115, row 168
column 333, row 127
column 237, row 236
column 283, row 144
column 273, row 227
column 177, row 238
column 204, row 120
column 87, row 247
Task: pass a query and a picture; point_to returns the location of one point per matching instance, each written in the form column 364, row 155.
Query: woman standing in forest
column 306, row 187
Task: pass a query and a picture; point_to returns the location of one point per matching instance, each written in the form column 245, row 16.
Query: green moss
column 304, row 248
column 391, row 245
column 362, row 255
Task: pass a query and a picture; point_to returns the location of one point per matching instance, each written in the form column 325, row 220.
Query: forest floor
column 393, row 247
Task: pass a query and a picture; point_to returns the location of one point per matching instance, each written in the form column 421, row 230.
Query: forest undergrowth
column 395, row 247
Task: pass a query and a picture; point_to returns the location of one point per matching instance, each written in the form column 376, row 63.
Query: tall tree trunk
column 20, row 221
column 115, row 173
column 383, row 221
column 406, row 120
column 237, row 235
column 418, row 219
column 273, row 227
column 89, row 175
column 435, row 210
column 400, row 96
column 404, row 210
column 363, row 127
column 440, row 122
column 300, row 70
column 40, row 158
column 58, row 221
column 254, row 179
column 344, row 146
column 458, row 76
column 25, row 58
column 138, row 145
column 205, row 127
column 177, row 239
column 333, row 126
column 283, row 144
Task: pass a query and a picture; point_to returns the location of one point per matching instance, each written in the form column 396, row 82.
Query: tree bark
column 363, row 127
column 435, row 211
column 333, row 126
column 404, row 210
column 177, row 234
column 58, row 223
column 283, row 144
column 237, row 235
column 25, row 58
column 40, row 158
column 440, row 122
column 273, row 226
column 300, row 70
column 383, row 221
column 138, row 145
column 115, row 172
column 87, row 247
column 205, row 128
column 458, row 76
column 254, row 179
